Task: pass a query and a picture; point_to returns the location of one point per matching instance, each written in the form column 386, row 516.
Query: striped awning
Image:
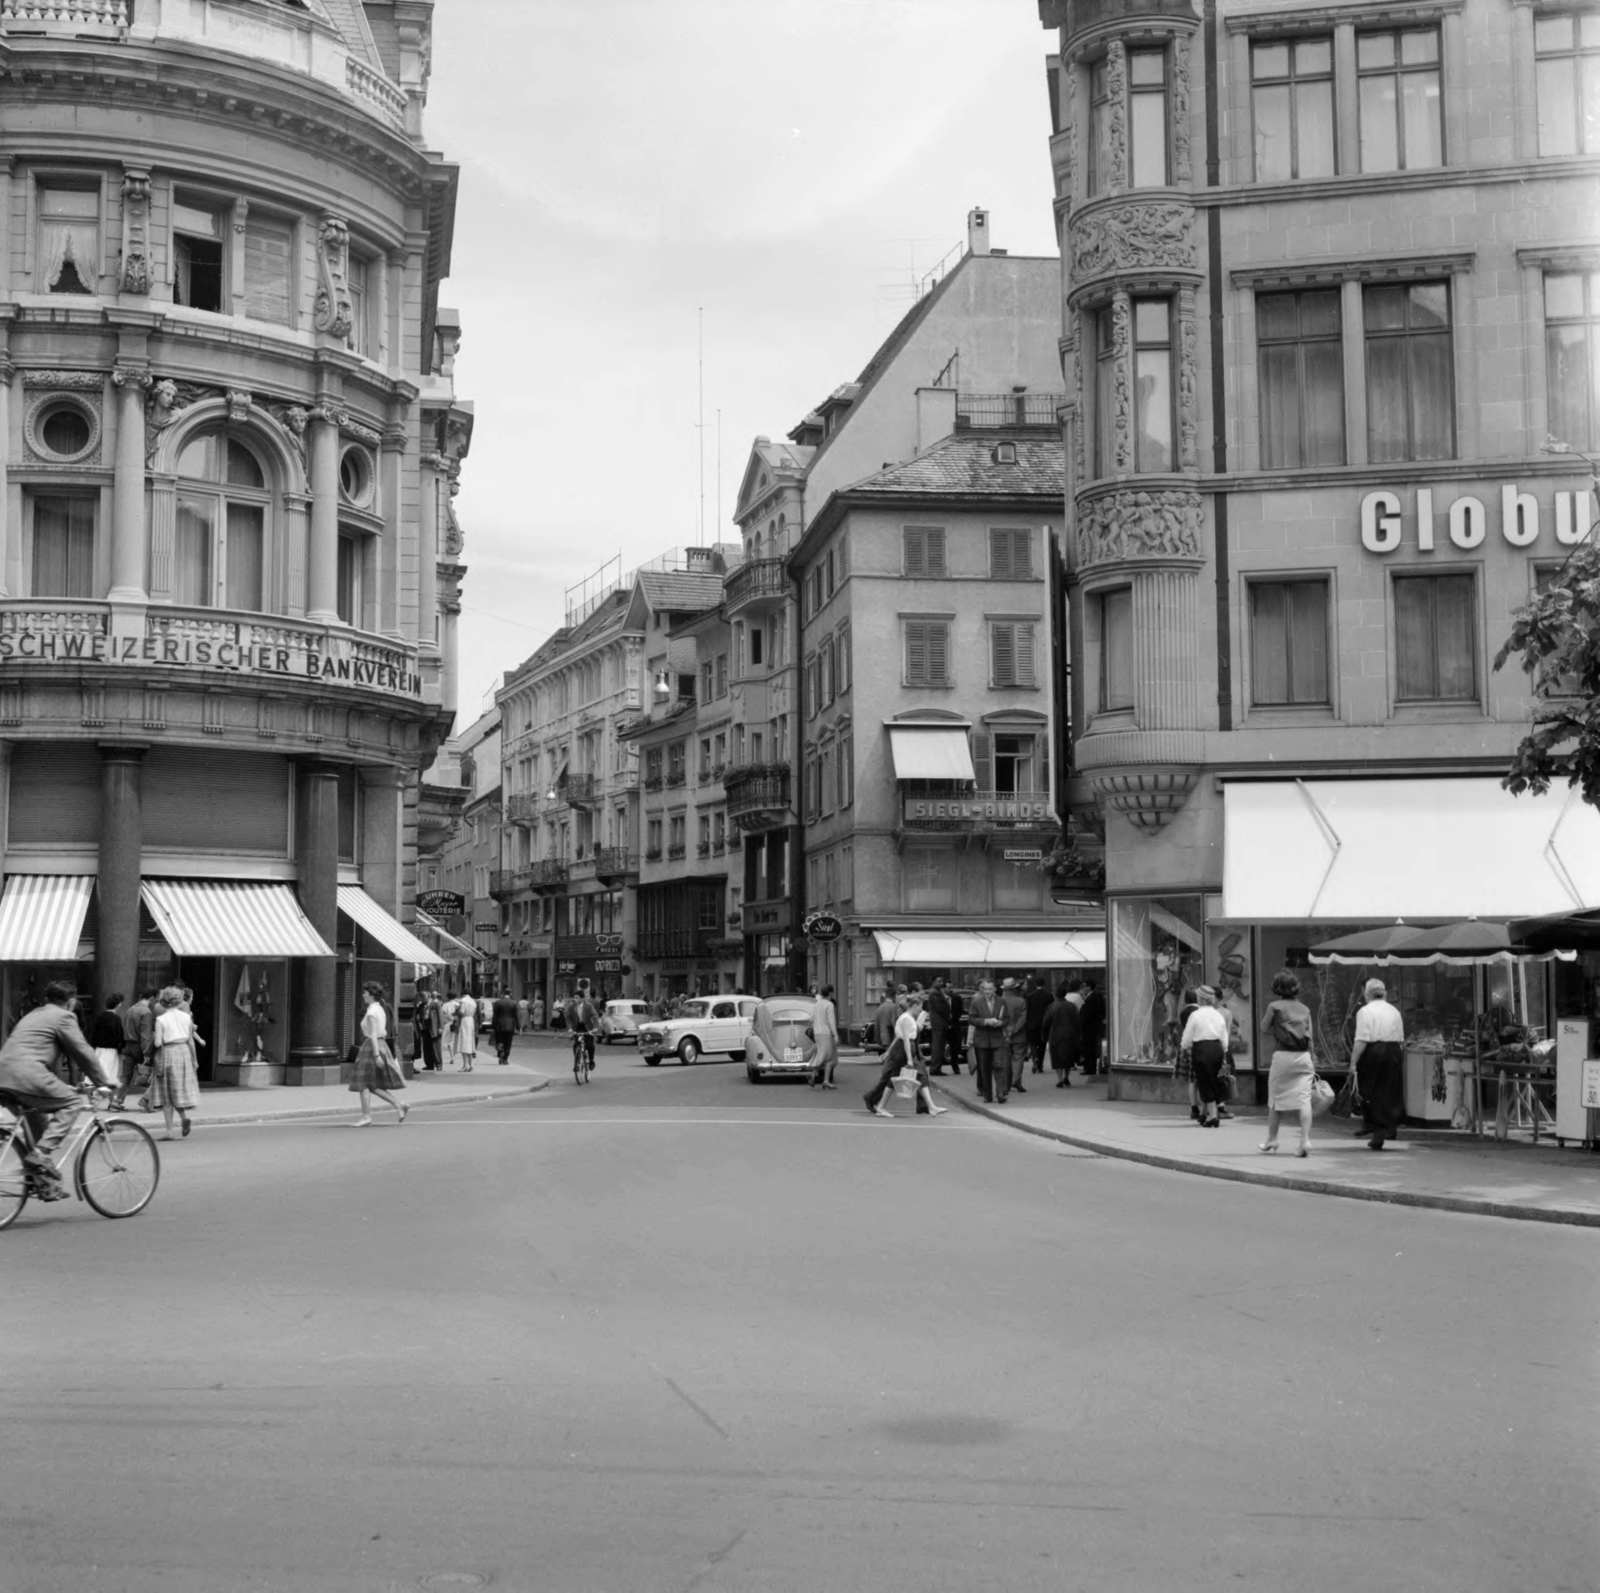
column 455, row 950
column 41, row 916
column 231, row 918
column 387, row 930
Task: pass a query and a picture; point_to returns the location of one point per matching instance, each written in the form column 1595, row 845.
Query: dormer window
column 1004, row 453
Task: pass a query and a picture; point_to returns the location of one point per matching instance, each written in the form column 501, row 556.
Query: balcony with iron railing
column 549, row 874
column 582, row 790
column 615, row 862
column 522, row 807
column 1009, row 411
column 762, row 583
column 758, row 794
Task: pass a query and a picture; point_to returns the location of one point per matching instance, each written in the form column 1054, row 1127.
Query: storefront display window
column 1229, row 972
column 1156, row 950
column 253, row 1010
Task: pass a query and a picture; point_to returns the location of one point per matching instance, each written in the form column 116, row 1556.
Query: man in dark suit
column 938, row 1008
column 989, row 1046
column 1091, row 1026
column 1037, row 1001
column 958, row 1032
column 503, row 1020
column 1015, row 1012
column 44, row 1041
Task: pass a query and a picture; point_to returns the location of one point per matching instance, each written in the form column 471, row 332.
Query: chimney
column 936, row 415
column 977, row 231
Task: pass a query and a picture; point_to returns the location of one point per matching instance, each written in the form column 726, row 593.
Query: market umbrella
column 1366, row 945
column 1558, row 932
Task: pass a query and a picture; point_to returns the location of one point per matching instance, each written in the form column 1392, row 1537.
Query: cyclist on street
column 582, row 1019
column 30, row 1087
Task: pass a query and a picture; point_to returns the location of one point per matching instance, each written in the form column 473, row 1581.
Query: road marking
column 415, row 1123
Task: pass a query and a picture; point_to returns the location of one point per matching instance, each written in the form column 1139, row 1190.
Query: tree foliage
column 1557, row 640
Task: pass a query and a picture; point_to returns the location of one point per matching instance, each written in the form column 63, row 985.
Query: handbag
column 1322, row 1096
column 388, row 1070
column 1227, row 1081
column 1348, row 1101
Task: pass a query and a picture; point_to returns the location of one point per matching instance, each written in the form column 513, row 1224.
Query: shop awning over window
column 384, row 928
column 931, row 752
column 41, row 916
column 231, row 918
column 1365, row 851
column 966, row 948
column 454, row 950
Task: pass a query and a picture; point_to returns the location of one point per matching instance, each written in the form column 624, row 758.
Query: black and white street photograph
column 800, row 799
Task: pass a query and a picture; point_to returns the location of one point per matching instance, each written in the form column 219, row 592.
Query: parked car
column 783, row 1041
column 620, row 1020
column 707, row 1023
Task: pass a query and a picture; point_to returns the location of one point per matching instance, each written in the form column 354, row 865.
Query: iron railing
column 1005, row 411
column 756, row 581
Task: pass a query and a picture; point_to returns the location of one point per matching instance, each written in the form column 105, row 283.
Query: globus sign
column 1466, row 522
column 822, row 927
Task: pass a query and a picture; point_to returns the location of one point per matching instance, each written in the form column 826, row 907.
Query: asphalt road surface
column 675, row 1332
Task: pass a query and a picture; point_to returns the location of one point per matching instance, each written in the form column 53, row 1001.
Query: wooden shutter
column 268, row 258
column 983, row 759
column 1003, row 654
column 938, row 652
column 935, row 536
column 1022, row 646
column 916, row 551
column 916, row 652
column 1000, row 555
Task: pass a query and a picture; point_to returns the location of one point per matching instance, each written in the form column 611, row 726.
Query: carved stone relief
column 1182, row 156
column 294, row 418
column 72, row 381
column 1121, row 395
column 1160, row 523
column 1188, row 379
column 1117, row 125
column 1133, row 237
column 1067, row 178
column 334, row 312
column 166, row 401
column 135, row 275
column 362, row 434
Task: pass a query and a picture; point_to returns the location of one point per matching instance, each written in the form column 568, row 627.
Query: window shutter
column 1003, row 655
column 1021, row 555
column 1042, row 743
column 938, row 654
column 1023, row 644
column 268, row 247
column 915, row 560
column 916, row 653
column 1000, row 555
column 983, row 759
column 935, row 536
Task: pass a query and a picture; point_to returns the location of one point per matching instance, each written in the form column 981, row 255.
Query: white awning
column 448, row 942
column 41, row 916
column 387, row 930
column 966, row 948
column 1369, row 851
column 231, row 918
column 931, row 752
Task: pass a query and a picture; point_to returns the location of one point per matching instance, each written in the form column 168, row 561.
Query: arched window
column 220, row 547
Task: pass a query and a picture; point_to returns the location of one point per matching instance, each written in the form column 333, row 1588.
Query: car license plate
column 792, row 1053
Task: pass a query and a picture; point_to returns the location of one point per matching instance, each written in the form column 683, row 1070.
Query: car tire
column 688, row 1051
column 751, row 1074
column 652, row 1061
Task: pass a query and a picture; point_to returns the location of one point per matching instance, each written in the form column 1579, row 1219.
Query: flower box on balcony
column 675, row 852
column 652, row 854
column 702, row 849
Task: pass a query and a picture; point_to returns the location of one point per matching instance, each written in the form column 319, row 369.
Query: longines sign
column 23, row 643
column 1466, row 522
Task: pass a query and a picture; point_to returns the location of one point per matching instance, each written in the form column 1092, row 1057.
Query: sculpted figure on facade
column 1122, row 396
column 334, row 313
column 1133, row 237
column 1117, row 124
column 1140, row 524
column 1188, row 383
column 1182, row 157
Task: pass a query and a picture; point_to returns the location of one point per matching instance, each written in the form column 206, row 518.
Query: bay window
column 1152, row 382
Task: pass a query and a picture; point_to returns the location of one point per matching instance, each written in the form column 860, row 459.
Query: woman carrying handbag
column 1288, row 1021
column 376, row 1071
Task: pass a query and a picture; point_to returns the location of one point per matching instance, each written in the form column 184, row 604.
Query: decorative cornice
column 1322, row 19
column 1354, row 268
column 72, row 381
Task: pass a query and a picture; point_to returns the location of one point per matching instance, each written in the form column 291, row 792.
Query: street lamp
column 663, row 686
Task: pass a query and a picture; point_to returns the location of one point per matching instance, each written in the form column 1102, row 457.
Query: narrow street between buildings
column 675, row 1331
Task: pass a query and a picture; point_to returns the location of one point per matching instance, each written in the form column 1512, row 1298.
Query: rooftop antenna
column 700, row 413
column 719, row 475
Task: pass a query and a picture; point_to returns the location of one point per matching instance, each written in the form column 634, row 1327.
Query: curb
column 1464, row 1204
column 311, row 1113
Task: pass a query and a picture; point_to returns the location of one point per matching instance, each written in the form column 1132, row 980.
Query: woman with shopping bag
column 376, row 1071
column 902, row 1067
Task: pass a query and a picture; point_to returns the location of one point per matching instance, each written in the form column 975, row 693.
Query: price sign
column 1589, row 1089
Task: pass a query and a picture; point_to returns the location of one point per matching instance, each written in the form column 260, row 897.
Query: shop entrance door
column 199, row 974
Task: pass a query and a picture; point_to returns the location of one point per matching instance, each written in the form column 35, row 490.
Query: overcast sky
column 791, row 168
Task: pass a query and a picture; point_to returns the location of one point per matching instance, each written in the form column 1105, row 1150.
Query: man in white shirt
column 1378, row 1057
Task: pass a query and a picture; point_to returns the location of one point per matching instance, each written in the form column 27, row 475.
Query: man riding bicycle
column 582, row 1021
column 30, row 1086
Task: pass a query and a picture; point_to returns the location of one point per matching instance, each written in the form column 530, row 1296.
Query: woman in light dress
column 174, row 1078
column 377, row 1072
column 1288, row 1020
column 450, row 1030
column 466, row 1032
column 1205, row 1043
column 825, row 1024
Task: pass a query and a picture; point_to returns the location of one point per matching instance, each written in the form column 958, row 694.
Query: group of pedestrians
column 1007, row 1033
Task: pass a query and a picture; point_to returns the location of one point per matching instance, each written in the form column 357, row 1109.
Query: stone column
column 116, row 945
column 428, row 556
column 127, row 510
column 449, row 676
column 10, row 539
column 322, row 575
column 314, row 1058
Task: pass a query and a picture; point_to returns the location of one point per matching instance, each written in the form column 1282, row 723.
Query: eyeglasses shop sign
column 1466, row 522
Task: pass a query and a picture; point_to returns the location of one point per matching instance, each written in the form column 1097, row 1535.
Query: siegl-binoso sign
column 822, row 927
column 1465, row 522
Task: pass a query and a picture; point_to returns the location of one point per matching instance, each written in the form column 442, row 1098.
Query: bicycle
column 115, row 1163
column 582, row 1055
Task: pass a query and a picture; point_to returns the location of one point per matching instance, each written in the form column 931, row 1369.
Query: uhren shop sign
column 1466, row 522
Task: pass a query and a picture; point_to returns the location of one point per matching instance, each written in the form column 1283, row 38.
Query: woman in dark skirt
column 376, row 1071
column 1205, row 1039
column 1061, row 1035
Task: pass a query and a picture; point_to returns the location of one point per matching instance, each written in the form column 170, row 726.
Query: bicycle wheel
column 13, row 1181
column 577, row 1066
column 118, row 1168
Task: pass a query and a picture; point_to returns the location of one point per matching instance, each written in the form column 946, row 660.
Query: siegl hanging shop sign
column 822, row 927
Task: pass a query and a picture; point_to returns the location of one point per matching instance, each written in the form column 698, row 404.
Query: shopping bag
column 907, row 1083
column 1227, row 1081
column 1321, row 1095
column 1348, row 1101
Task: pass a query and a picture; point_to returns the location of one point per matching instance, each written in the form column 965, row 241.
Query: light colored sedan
column 783, row 1039
column 708, row 1023
column 621, row 1019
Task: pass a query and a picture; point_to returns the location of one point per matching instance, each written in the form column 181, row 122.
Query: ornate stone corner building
column 229, row 567
column 1330, row 281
